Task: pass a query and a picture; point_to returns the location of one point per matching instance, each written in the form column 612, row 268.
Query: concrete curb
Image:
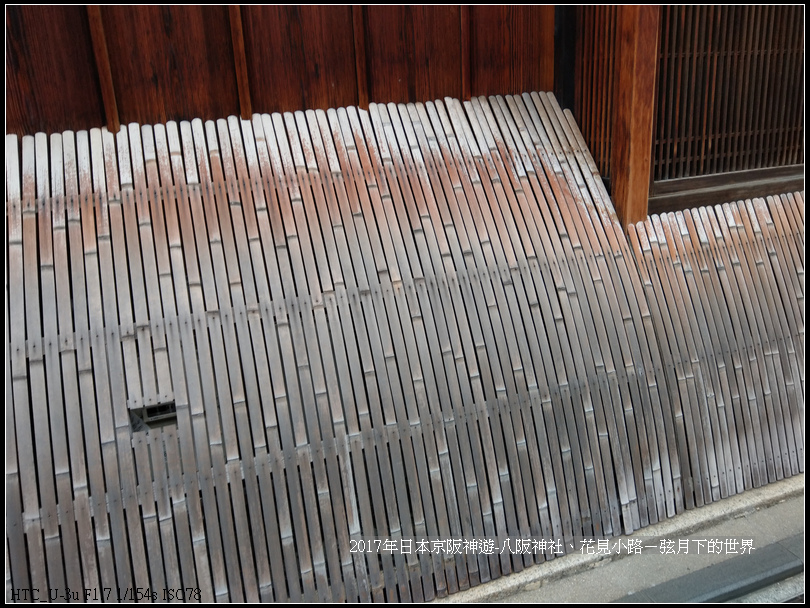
column 775, row 594
column 728, row 579
column 680, row 525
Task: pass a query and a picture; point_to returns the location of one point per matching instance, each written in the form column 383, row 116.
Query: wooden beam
column 240, row 61
column 103, row 67
column 633, row 110
column 686, row 192
column 359, row 30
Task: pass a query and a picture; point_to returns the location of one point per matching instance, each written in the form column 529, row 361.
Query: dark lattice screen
column 730, row 89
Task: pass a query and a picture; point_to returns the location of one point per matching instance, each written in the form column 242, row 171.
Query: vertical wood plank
column 361, row 67
column 542, row 30
column 240, row 61
column 464, row 17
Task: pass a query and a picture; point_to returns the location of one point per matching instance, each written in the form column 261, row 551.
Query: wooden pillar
column 633, row 110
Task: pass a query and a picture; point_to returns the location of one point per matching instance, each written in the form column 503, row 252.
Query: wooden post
column 103, row 67
column 240, row 61
column 633, row 110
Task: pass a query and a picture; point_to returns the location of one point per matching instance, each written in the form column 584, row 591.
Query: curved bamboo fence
column 380, row 355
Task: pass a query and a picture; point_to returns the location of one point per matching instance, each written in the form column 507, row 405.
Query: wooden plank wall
column 51, row 78
column 170, row 61
column 410, row 324
column 180, row 62
column 299, row 56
